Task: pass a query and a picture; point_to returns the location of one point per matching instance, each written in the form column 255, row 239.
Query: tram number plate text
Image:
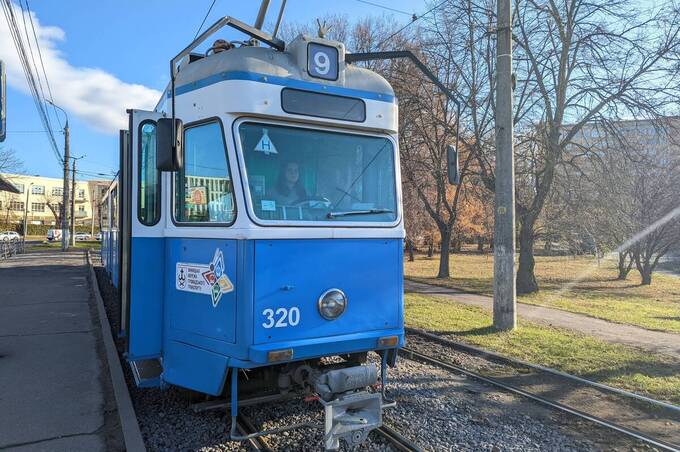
column 281, row 317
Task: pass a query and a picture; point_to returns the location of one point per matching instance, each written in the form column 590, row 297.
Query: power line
column 385, row 7
column 415, row 19
column 47, row 81
column 205, row 18
column 8, row 10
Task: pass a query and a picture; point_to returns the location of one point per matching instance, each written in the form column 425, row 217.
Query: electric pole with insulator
column 504, row 289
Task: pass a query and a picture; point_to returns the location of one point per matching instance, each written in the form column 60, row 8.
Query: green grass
column 625, row 367
column 86, row 244
column 573, row 284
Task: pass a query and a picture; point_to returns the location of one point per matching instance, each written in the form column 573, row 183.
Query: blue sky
column 103, row 57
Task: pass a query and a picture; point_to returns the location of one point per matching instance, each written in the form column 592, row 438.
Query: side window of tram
column 149, row 210
column 203, row 189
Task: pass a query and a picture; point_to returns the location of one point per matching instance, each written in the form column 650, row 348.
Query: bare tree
column 9, row 162
column 580, row 61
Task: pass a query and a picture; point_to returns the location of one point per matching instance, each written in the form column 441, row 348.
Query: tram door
column 143, row 249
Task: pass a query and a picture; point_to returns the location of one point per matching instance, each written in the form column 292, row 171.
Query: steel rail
column 517, row 362
column 420, row 357
column 397, row 440
column 245, row 426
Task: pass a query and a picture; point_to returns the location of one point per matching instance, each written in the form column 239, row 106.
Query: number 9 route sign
column 322, row 61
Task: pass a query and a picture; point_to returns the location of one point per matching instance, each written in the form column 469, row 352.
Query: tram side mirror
column 3, row 102
column 168, row 146
column 452, row 165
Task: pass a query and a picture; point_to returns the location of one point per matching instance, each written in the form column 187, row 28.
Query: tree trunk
column 526, row 280
column 624, row 268
column 409, row 247
column 444, row 255
column 430, row 248
column 480, row 244
column 646, row 277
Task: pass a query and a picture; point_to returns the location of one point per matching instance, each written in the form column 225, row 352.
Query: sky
column 104, row 57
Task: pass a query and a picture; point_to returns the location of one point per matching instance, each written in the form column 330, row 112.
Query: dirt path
column 654, row 341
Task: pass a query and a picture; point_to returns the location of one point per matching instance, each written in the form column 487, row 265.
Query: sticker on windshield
column 209, row 279
column 265, row 144
column 268, row 205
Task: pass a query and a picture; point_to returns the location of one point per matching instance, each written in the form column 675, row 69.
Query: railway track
column 554, row 404
column 397, row 440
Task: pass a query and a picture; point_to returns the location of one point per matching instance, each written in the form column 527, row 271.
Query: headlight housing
column 332, row 303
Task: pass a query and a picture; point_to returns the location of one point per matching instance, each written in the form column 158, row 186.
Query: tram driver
column 289, row 189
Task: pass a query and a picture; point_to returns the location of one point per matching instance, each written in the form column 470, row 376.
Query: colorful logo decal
column 209, row 279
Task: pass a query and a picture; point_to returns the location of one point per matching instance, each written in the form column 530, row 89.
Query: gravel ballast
column 438, row 410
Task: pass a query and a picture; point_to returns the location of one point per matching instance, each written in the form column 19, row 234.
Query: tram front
column 271, row 238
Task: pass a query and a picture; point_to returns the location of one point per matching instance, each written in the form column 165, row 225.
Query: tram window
column 298, row 174
column 149, row 189
column 204, row 191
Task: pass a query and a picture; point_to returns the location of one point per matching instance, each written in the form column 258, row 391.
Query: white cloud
column 94, row 95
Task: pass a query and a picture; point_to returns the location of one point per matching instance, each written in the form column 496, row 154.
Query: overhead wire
column 204, row 19
column 387, row 8
column 415, row 19
column 42, row 64
column 8, row 10
column 35, row 66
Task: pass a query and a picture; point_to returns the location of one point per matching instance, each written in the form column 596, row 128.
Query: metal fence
column 9, row 248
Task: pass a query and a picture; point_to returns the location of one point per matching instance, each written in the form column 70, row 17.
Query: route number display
column 322, row 61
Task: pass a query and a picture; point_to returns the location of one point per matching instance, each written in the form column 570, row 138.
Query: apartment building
column 40, row 198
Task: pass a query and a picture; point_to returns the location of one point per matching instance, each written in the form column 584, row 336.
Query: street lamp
column 65, row 203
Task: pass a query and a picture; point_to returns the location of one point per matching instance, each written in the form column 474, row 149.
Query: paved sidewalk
column 54, row 386
column 654, row 341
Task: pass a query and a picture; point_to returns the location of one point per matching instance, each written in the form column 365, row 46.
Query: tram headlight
column 332, row 304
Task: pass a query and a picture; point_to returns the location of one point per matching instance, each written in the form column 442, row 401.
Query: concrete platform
column 55, row 387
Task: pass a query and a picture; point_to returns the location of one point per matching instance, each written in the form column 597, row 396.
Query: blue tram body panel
column 204, row 334
column 195, row 307
column 292, row 274
column 146, row 288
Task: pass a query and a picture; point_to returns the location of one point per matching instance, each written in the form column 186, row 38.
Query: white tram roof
column 288, row 68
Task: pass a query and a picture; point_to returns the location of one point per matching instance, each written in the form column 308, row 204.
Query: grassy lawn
column 576, row 285
column 617, row 365
column 85, row 244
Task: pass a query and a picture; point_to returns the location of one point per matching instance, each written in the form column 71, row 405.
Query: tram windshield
column 297, row 174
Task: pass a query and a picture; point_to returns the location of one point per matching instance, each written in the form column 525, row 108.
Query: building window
column 38, row 207
column 16, row 205
column 149, row 189
column 81, row 209
column 57, row 191
column 203, row 188
column 20, row 187
column 38, row 189
column 81, row 193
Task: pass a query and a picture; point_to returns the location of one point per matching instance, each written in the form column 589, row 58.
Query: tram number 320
column 281, row 317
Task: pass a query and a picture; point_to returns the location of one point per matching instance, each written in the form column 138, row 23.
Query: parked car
column 98, row 237
column 54, row 234
column 81, row 236
column 9, row 236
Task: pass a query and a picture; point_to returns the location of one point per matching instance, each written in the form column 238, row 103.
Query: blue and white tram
column 256, row 228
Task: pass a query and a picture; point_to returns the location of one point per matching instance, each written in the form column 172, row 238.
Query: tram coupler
column 350, row 412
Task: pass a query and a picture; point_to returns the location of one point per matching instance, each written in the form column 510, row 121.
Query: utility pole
column 73, row 201
column 504, row 289
column 65, row 200
column 65, row 188
column 28, row 190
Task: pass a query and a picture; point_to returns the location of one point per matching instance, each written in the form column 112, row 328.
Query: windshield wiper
column 356, row 212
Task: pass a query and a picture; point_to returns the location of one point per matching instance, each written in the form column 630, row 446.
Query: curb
column 126, row 412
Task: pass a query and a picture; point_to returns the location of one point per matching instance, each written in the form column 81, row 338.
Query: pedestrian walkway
column 653, row 341
column 55, row 392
